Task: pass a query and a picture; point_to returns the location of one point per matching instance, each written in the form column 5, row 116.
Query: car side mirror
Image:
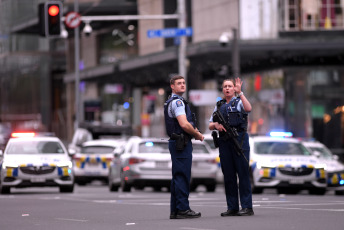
column 1, row 152
column 335, row 157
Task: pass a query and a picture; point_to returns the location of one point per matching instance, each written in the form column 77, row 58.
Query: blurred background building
column 291, row 55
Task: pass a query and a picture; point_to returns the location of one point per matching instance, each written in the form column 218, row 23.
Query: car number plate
column 37, row 180
column 295, row 181
column 161, row 164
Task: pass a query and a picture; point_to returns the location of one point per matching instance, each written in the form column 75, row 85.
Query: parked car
column 5, row 134
column 285, row 164
column 208, row 139
column 334, row 168
column 93, row 160
column 35, row 161
column 146, row 162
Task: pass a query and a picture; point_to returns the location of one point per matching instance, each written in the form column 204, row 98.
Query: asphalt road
column 93, row 207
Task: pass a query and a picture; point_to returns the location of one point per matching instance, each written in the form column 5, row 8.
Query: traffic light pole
column 77, row 70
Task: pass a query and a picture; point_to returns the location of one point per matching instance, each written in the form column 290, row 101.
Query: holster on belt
column 181, row 140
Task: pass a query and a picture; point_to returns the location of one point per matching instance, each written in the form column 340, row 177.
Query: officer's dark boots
column 187, row 214
column 246, row 212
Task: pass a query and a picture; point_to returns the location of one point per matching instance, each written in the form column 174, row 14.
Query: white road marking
column 186, row 228
column 71, row 219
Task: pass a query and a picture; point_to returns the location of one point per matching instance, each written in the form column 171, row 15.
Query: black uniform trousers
column 234, row 165
column 181, row 175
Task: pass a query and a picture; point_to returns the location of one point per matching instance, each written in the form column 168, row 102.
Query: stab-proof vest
column 232, row 115
column 171, row 123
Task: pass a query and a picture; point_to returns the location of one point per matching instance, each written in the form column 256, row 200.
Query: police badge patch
column 179, row 103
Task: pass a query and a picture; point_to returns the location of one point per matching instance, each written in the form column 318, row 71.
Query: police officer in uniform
column 234, row 108
column 180, row 128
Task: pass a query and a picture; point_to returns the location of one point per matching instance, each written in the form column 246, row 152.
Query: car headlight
column 9, row 165
column 68, row 164
column 265, row 165
column 320, row 166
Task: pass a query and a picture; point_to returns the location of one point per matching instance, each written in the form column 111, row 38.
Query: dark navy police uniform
column 233, row 164
column 181, row 160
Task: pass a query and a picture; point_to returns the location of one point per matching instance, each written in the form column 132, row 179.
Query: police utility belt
column 181, row 140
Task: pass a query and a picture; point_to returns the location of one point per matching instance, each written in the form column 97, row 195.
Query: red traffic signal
column 50, row 20
column 53, row 10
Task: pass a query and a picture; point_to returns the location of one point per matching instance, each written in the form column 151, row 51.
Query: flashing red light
column 53, row 10
column 16, row 135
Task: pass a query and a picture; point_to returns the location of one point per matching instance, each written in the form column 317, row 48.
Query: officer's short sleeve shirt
column 176, row 108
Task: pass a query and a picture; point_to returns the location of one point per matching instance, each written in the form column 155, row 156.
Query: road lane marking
column 71, row 219
column 307, row 209
column 186, row 228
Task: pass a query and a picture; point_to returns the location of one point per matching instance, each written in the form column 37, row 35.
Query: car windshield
column 97, row 149
column 210, row 143
column 35, row 147
column 197, row 148
column 324, row 152
column 153, row 147
column 280, row 148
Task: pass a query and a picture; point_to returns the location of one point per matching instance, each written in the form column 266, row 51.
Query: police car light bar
column 281, row 134
column 16, row 135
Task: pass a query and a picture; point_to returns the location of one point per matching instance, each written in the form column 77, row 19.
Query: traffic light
column 50, row 18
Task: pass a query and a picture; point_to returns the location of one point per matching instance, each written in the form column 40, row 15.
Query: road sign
column 73, row 19
column 170, row 33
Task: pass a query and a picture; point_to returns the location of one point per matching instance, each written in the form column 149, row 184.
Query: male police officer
column 180, row 128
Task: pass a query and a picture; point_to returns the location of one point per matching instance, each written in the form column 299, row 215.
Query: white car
column 36, row 162
column 334, row 168
column 146, row 162
column 94, row 158
column 285, row 164
column 215, row 151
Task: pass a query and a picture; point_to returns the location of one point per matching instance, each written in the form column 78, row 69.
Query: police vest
column 171, row 123
column 232, row 115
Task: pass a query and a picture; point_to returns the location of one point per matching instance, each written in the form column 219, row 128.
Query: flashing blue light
column 126, row 105
column 341, row 182
column 218, row 99
column 149, row 144
column 281, row 134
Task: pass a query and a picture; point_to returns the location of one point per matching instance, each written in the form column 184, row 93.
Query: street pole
column 235, row 55
column 76, row 66
column 182, row 45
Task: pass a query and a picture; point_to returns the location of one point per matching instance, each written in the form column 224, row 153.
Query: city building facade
column 290, row 57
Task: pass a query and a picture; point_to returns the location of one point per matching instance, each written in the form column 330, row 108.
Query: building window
column 310, row 15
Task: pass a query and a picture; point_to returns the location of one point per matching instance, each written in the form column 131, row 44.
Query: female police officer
column 180, row 128
column 234, row 110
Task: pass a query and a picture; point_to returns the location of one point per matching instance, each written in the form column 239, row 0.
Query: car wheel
column 211, row 187
column 339, row 193
column 317, row 191
column 254, row 188
column 67, row 189
column 156, row 188
column 5, row 190
column 193, row 187
column 124, row 185
column 113, row 188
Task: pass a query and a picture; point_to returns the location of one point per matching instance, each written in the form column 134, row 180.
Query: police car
column 335, row 169
column 284, row 164
column 30, row 160
column 94, row 158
